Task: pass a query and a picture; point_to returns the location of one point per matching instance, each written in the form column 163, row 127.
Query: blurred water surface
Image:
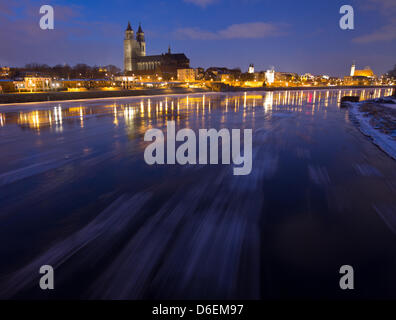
column 75, row 193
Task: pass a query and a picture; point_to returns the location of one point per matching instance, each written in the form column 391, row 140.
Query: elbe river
column 76, row 194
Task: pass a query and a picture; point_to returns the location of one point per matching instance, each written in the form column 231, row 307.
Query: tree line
column 79, row 71
column 392, row 72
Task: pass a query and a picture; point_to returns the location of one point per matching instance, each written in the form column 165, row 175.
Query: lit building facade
column 4, row 72
column 366, row 72
column 270, row 77
column 37, row 83
column 136, row 60
column 186, row 75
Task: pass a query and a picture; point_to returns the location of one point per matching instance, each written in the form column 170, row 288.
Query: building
column 286, row 77
column 358, row 81
column 186, row 75
column 133, row 48
column 226, row 77
column 307, row 77
column 270, row 76
column 360, row 77
column 4, row 72
column 136, row 60
column 7, row 85
column 366, row 72
column 251, row 68
column 35, row 83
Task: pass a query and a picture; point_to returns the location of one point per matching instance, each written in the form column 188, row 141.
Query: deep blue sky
column 291, row 35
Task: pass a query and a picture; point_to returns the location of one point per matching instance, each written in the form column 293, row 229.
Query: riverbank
column 377, row 119
column 15, row 98
column 316, row 88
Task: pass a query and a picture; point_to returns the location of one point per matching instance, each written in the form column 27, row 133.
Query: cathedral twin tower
column 133, row 48
column 136, row 60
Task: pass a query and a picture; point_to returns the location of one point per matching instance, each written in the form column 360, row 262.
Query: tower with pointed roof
column 353, row 68
column 129, row 42
column 136, row 60
column 133, row 48
column 141, row 42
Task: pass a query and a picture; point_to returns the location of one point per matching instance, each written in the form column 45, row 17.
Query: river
column 76, row 194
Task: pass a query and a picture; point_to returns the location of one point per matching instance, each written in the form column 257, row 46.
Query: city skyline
column 224, row 33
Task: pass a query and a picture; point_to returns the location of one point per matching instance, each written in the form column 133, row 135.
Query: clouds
column 201, row 3
column 386, row 8
column 252, row 30
column 386, row 33
column 73, row 40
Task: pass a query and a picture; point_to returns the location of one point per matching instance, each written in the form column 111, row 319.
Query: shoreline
column 65, row 96
column 9, row 99
column 366, row 112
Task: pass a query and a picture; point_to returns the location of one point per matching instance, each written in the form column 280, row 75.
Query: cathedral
column 367, row 72
column 136, row 61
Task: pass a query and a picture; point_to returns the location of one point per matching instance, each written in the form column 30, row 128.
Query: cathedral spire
column 140, row 28
column 140, row 34
column 129, row 28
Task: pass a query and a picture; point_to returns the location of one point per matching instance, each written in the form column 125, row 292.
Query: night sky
column 291, row 35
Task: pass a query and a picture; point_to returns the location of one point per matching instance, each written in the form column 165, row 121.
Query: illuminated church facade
column 366, row 72
column 136, row 60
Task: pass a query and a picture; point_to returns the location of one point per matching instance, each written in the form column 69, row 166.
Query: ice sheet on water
column 193, row 246
column 57, row 162
column 367, row 170
column 303, row 153
column 102, row 231
column 388, row 213
column 28, row 171
column 319, row 175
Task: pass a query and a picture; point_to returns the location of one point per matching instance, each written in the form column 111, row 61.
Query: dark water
column 76, row 194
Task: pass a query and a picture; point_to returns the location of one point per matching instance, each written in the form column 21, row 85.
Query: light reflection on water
column 76, row 193
column 171, row 108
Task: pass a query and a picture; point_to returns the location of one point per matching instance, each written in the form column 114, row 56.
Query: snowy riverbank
column 377, row 119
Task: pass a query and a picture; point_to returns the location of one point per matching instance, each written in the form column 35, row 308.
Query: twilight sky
column 291, row 35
